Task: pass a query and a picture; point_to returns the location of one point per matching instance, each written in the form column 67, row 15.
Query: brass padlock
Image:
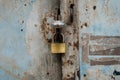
column 58, row 48
column 58, row 45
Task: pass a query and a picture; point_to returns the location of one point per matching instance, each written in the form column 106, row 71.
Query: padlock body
column 58, row 48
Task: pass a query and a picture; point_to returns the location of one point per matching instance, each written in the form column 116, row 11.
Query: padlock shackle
column 53, row 37
column 58, row 30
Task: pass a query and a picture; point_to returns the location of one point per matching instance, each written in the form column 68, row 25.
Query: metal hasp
column 58, row 44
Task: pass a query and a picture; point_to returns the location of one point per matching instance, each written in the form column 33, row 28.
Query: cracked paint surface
column 24, row 45
column 25, row 34
column 99, row 39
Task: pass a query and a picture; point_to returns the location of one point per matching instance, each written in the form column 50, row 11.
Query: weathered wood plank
column 85, row 47
column 104, row 40
column 104, row 45
column 103, row 37
column 111, row 51
column 105, row 61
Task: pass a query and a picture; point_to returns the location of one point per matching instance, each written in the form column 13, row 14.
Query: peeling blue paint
column 12, row 39
column 103, row 21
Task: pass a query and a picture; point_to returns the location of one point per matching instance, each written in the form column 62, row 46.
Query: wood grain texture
column 105, row 61
column 85, row 47
column 104, row 45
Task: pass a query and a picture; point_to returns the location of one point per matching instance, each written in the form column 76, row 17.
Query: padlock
column 58, row 44
column 58, row 48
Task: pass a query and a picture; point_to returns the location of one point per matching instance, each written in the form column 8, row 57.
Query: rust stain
column 68, row 33
column 81, row 26
column 49, row 40
column 46, row 26
column 86, row 9
column 70, row 62
column 69, row 43
column 69, row 66
column 68, row 77
column 72, row 57
column 43, row 24
column 46, row 30
column 86, row 24
column 48, row 73
column 76, row 45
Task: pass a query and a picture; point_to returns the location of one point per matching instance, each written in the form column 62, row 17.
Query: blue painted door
column 99, row 39
column 24, row 49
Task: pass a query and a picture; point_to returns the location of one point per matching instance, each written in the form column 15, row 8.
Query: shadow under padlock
column 58, row 43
